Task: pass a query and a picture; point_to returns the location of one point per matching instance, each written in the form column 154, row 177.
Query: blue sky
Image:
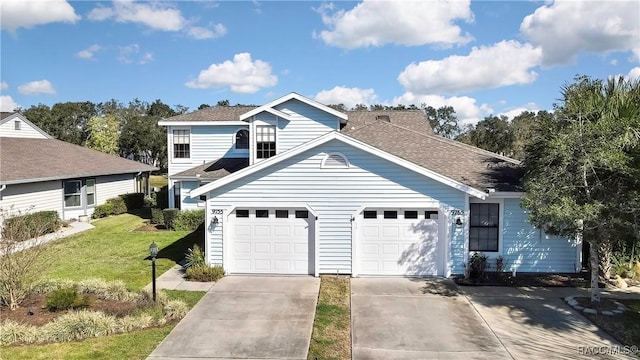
column 483, row 58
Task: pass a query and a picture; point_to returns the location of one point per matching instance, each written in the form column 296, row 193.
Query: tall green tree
column 104, row 134
column 582, row 168
column 443, row 120
column 494, row 133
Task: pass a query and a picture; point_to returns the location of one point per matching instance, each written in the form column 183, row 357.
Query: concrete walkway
column 73, row 228
column 173, row 279
column 247, row 317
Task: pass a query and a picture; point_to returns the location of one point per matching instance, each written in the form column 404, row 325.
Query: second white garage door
column 398, row 242
column 272, row 241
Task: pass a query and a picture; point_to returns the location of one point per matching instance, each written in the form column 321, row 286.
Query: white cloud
column 4, row 85
column 7, row 104
column 634, row 74
column 565, row 28
column 130, row 54
column 201, row 33
column 376, row 23
column 242, row 75
column 89, row 52
column 155, row 15
column 511, row 113
column 502, row 64
column 349, row 97
column 467, row 111
column 37, row 87
column 17, row 14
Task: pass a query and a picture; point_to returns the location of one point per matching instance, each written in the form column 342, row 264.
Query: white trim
column 334, row 135
column 346, row 165
column 288, row 97
column 465, row 231
column 505, row 195
column 192, row 123
column 173, row 159
column 25, row 120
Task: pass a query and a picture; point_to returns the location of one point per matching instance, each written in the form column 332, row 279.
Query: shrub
column 133, row 201
column 118, row 204
column 130, row 323
column 150, row 200
column 103, row 210
column 169, row 216
column 145, row 297
column 175, row 310
column 49, row 285
column 21, row 227
column 64, row 299
column 195, row 257
column 12, row 332
column 157, row 217
column 188, row 220
column 204, row 273
column 79, row 325
column 105, row 290
column 477, row 266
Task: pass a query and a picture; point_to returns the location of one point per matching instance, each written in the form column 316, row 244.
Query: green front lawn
column 331, row 337
column 114, row 250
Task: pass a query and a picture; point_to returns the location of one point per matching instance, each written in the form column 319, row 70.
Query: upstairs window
column 483, row 227
column 181, row 144
column 242, row 139
column 265, row 141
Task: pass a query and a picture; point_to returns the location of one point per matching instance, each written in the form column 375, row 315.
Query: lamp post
column 153, row 252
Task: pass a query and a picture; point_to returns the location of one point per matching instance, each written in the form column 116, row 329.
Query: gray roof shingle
column 467, row 164
column 214, row 170
column 30, row 160
column 409, row 119
column 214, row 113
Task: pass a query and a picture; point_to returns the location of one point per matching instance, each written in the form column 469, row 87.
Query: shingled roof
column 25, row 160
column 214, row 113
column 467, row 164
column 214, row 170
column 409, row 119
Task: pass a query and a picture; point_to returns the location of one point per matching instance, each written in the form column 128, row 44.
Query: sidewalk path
column 73, row 228
column 632, row 292
column 173, row 279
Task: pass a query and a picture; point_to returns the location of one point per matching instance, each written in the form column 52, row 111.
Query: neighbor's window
column 265, row 141
column 483, row 227
column 91, row 192
column 72, row 193
column 181, row 144
column 242, row 139
column 16, row 124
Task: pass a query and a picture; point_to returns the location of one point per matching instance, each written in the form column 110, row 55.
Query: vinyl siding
column 531, row 250
column 307, row 124
column 108, row 187
column 207, row 143
column 335, row 194
column 188, row 203
column 26, row 131
column 32, row 197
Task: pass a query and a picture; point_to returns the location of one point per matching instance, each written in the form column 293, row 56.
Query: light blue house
column 296, row 187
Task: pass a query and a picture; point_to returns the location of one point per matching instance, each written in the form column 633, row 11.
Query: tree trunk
column 605, row 252
column 593, row 260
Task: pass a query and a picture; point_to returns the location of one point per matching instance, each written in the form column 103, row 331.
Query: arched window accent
column 242, row 139
column 335, row 161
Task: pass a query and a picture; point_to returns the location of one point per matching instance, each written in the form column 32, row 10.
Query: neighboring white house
column 296, row 187
column 40, row 173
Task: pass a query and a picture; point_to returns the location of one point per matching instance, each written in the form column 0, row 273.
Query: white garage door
column 271, row 241
column 398, row 242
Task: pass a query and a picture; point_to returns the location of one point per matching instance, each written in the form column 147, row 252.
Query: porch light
column 459, row 221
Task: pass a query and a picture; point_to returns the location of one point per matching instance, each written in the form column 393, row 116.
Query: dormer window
column 265, row 141
column 242, row 139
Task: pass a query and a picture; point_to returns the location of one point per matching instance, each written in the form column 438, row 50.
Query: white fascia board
column 298, row 97
column 272, row 204
column 195, row 123
column 334, row 135
column 505, row 194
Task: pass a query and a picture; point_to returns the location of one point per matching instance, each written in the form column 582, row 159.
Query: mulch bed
column 528, row 280
column 36, row 303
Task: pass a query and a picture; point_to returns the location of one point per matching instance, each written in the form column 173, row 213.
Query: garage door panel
column 398, row 247
column 273, row 245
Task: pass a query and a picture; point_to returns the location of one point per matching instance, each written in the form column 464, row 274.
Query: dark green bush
column 162, row 197
column 204, row 273
column 188, row 220
column 66, row 298
column 103, row 210
column 118, row 204
column 169, row 217
column 157, row 217
column 477, row 266
column 29, row 226
column 133, row 201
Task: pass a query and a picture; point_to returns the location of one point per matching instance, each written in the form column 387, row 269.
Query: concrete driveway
column 399, row 318
column 244, row 317
column 535, row 323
